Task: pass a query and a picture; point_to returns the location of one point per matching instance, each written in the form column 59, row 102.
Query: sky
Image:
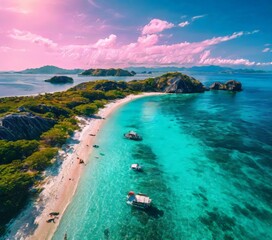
column 122, row 33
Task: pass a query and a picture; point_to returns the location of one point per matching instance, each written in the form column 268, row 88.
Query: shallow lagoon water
column 207, row 167
column 207, row 161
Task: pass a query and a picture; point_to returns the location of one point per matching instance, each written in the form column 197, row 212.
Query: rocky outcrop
column 107, row 72
column 233, row 85
column 218, row 86
column 60, row 79
column 230, row 85
column 17, row 126
column 179, row 83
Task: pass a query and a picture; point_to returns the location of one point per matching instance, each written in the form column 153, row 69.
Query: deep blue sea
column 207, row 168
column 14, row 84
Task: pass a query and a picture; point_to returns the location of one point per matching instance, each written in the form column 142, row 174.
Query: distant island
column 60, row 80
column 50, row 70
column 210, row 68
column 108, row 72
column 131, row 71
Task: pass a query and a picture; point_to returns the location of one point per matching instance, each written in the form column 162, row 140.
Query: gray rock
column 230, row 85
column 218, row 86
column 233, row 85
column 17, row 126
column 179, row 84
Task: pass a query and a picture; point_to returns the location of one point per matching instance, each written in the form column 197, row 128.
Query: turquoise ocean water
column 207, row 167
column 207, row 161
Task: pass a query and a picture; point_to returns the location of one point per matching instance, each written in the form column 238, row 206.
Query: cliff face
column 179, row 83
column 16, row 126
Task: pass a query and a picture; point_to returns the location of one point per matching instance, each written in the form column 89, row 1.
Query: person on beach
column 81, row 161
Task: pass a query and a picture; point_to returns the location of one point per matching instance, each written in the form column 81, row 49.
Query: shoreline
column 59, row 192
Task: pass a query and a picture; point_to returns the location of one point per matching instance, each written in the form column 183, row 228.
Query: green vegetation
column 51, row 70
column 107, row 72
column 60, row 79
column 18, row 150
column 40, row 160
column 14, row 186
column 23, row 161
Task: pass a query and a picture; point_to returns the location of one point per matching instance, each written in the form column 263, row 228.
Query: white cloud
column 31, row 37
column 146, row 51
column 156, row 26
column 224, row 61
column 106, row 42
column 148, row 40
column 183, row 24
column 267, row 50
column 93, row 3
column 198, row 16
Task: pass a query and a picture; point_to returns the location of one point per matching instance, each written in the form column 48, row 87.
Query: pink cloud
column 183, row 24
column 156, row 26
column 9, row 49
column 30, row 37
column 205, row 59
column 74, row 48
column 223, row 61
column 146, row 51
column 106, row 42
column 14, row 10
column 148, row 40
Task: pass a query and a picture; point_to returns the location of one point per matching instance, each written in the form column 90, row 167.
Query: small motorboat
column 54, row 214
column 133, row 136
column 50, row 220
column 136, row 167
column 138, row 200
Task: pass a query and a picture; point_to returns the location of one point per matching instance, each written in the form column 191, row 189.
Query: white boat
column 136, row 167
column 133, row 136
column 138, row 200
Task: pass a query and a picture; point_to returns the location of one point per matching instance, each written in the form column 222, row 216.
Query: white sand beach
column 59, row 191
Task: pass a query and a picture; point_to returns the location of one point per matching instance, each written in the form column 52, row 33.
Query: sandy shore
column 60, row 190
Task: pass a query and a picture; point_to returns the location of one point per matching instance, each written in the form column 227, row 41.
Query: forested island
column 50, row 70
column 107, row 72
column 33, row 128
column 60, row 80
